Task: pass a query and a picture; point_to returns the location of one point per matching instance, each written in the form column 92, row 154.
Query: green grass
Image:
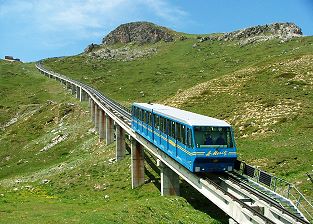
column 96, row 192
column 271, row 78
column 176, row 66
column 73, row 181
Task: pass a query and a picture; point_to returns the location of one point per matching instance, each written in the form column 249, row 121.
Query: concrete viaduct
column 112, row 123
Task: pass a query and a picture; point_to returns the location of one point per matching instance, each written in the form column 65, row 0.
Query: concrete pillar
column 86, row 96
column 73, row 89
column 83, row 95
column 137, row 164
column 78, row 90
column 92, row 110
column 109, row 130
column 120, row 143
column 97, row 118
column 102, row 126
column 68, row 85
column 169, row 180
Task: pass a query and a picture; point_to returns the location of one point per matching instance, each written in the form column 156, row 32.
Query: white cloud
column 66, row 24
column 165, row 10
column 83, row 15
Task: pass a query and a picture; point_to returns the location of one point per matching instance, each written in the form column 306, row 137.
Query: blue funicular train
column 199, row 143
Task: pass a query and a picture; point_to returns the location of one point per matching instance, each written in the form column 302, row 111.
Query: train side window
column 165, row 126
column 178, row 134
column 162, row 124
column 169, row 128
column 156, row 122
column 149, row 119
column 137, row 113
column 145, row 117
column 140, row 114
column 189, row 137
column 183, row 134
column 173, row 129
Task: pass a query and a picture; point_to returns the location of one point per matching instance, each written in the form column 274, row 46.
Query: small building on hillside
column 10, row 58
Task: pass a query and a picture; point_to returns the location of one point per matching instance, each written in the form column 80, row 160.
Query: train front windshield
column 213, row 137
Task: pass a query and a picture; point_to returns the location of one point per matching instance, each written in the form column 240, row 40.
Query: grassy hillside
column 264, row 90
column 54, row 170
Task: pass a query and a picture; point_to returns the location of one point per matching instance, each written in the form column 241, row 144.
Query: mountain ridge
column 282, row 31
column 150, row 33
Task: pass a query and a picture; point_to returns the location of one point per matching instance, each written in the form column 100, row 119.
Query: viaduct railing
column 243, row 205
column 283, row 189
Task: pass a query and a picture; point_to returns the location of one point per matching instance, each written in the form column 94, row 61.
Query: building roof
column 183, row 116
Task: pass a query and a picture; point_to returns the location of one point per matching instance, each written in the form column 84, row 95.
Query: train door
column 188, row 146
column 175, row 138
column 157, row 133
column 167, row 123
column 149, row 127
column 144, row 124
column 163, row 140
column 177, row 131
column 136, row 117
column 141, row 121
column 171, row 138
column 182, row 140
column 152, row 126
column 181, row 147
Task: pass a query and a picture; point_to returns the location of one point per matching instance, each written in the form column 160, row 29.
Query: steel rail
column 238, row 200
column 236, row 180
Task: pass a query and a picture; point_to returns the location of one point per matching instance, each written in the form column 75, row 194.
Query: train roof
column 183, row 116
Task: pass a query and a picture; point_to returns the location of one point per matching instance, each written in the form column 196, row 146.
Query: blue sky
column 36, row 29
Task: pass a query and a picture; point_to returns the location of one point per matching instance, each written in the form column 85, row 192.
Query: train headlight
column 229, row 168
column 197, row 169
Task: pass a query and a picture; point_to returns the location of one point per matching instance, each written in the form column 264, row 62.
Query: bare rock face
column 124, row 53
column 138, row 32
column 91, row 47
column 283, row 31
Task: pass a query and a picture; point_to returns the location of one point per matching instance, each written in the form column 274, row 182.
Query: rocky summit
column 138, row 32
column 283, row 31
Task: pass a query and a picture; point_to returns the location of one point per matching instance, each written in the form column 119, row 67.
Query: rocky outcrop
column 283, row 31
column 124, row 53
column 91, row 47
column 138, row 32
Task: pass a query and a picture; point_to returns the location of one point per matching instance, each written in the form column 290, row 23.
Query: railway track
column 229, row 188
column 251, row 198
